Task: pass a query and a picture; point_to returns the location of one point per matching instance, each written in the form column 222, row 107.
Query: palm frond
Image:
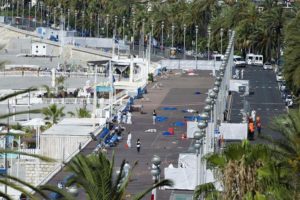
column 204, row 189
column 14, row 94
column 165, row 182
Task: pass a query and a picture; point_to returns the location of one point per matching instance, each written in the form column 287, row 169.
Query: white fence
column 29, row 151
column 191, row 64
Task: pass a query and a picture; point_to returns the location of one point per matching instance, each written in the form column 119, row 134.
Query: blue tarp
column 161, row 118
column 192, row 118
column 168, row 108
column 179, row 124
column 167, row 133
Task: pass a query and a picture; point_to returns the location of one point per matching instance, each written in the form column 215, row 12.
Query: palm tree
column 11, row 181
column 102, row 183
column 291, row 55
column 81, row 113
column 53, row 113
column 247, row 170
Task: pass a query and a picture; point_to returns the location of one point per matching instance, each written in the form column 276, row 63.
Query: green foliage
column 53, row 113
column 291, row 54
column 150, row 77
column 96, row 176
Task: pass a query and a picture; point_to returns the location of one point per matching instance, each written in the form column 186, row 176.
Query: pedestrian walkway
column 176, row 94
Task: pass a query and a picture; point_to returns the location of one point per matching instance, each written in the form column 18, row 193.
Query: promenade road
column 175, row 90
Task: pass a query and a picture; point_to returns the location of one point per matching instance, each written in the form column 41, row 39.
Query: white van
column 239, row 61
column 254, row 59
column 258, row 60
column 249, row 58
column 218, row 57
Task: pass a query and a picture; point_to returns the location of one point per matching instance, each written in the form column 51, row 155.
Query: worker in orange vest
column 251, row 131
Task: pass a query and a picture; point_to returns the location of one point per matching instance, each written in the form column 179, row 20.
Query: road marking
column 267, row 109
column 263, row 87
column 275, row 109
column 256, row 87
column 258, row 108
column 270, row 87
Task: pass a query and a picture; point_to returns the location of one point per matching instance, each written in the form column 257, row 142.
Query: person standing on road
column 119, row 117
column 138, row 145
column 129, row 140
column 126, row 168
column 258, row 125
column 253, row 115
column 129, row 115
column 154, row 117
column 242, row 74
column 124, row 117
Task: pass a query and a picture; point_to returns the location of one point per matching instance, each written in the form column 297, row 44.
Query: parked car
column 279, row 77
column 267, row 65
column 239, row 61
column 282, row 86
column 289, row 100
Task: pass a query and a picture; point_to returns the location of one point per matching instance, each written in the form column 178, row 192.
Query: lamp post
column 196, row 45
column 82, row 26
column 123, row 27
column 41, row 5
column 208, row 45
column 221, row 34
column 18, row 8
column 184, row 33
column 12, row 11
column 35, row 15
column 152, row 27
column 75, row 20
column 143, row 36
column 98, row 25
column 107, row 22
column 155, row 172
column 199, row 136
column 133, row 33
column 162, row 34
column 29, row 9
column 116, row 22
column 173, row 28
column 91, row 22
column 54, row 17
column 23, row 10
column 68, row 27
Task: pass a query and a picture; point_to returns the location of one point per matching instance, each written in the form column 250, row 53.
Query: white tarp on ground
column 191, row 64
column 184, row 177
column 234, row 131
column 191, row 127
column 234, row 85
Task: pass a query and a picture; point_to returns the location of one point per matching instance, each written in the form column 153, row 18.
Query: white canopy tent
column 36, row 123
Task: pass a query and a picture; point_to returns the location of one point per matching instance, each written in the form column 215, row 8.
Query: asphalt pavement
column 176, row 90
column 265, row 99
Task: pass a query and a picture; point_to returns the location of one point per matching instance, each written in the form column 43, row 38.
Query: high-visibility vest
column 251, row 127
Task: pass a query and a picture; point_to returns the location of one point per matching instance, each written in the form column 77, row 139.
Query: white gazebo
column 36, row 123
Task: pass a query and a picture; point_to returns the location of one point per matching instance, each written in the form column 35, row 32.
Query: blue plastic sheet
column 166, row 133
column 179, row 124
column 168, row 108
column 161, row 119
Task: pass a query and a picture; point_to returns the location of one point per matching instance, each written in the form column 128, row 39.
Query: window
column 37, row 47
column 44, row 47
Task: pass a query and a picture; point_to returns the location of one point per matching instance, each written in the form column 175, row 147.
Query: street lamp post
column 91, row 21
column 98, row 25
column 155, row 172
column 23, row 10
column 35, row 15
column 133, row 33
column 173, row 27
column 162, row 35
column 68, row 27
column 196, row 57
column 107, row 22
column 75, row 20
column 82, row 25
column 12, row 11
column 184, row 32
column 152, row 27
column 116, row 22
column 29, row 8
column 221, row 34
column 208, row 45
column 54, row 17
column 41, row 5
column 123, row 27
